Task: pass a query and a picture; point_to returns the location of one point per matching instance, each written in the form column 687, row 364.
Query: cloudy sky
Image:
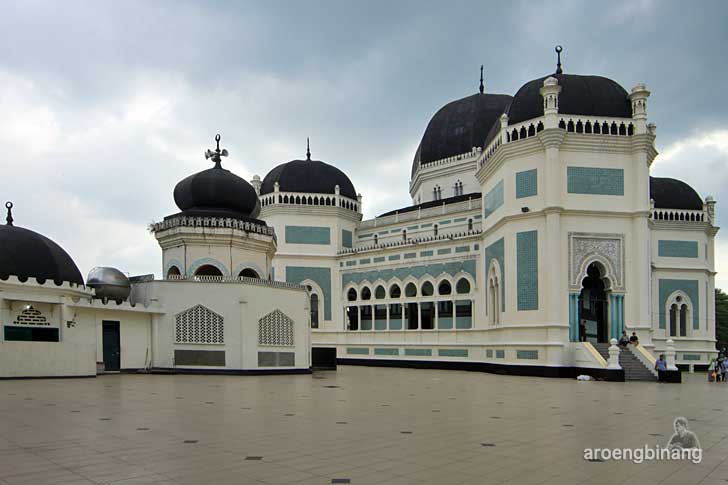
column 105, row 106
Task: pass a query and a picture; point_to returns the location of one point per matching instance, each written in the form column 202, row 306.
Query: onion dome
column 308, row 176
column 580, row 95
column 216, row 192
column 27, row 254
column 459, row 126
column 109, row 283
column 671, row 193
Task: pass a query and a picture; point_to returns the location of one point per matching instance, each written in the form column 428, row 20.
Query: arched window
column 679, row 311
column 208, row 271
column 248, row 273
column 395, row 291
column 444, row 288
column 470, row 224
column 404, row 234
column 366, row 293
column 410, row 290
column 427, row 289
column 380, row 293
column 314, row 303
column 173, row 273
column 463, row 286
column 376, row 239
column 351, row 294
column 493, row 294
column 435, row 229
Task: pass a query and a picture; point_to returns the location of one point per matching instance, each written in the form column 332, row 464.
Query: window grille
column 31, row 316
column 275, row 329
column 199, row 325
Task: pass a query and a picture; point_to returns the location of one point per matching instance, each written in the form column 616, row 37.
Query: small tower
column 638, row 97
column 550, row 92
column 256, row 183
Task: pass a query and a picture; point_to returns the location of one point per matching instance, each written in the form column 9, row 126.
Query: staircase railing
column 595, row 353
column 647, row 359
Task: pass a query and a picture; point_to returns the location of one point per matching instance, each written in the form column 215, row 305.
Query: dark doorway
column 112, row 346
column 593, row 307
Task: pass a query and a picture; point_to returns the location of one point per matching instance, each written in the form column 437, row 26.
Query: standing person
column 582, row 330
column 724, row 368
column 661, row 367
column 716, row 368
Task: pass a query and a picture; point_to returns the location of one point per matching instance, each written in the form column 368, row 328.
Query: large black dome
column 671, row 193
column 27, row 254
column 580, row 95
column 309, row 176
column 459, row 126
column 217, row 191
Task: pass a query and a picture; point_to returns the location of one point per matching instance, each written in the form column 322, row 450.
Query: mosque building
column 536, row 235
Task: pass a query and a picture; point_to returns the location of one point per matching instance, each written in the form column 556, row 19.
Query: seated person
column 633, row 339
column 624, row 339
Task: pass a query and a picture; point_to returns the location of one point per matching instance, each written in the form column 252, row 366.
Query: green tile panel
column 308, row 235
column 394, row 257
column 527, row 270
column 527, row 354
column 595, row 181
column 668, row 287
column 410, row 255
column 444, row 251
column 379, row 259
column 357, row 350
column 452, row 352
column 322, row 277
column 462, row 249
column 346, row 240
column 424, row 254
column 418, row 352
column 677, row 249
column 493, row 199
column 526, row 184
column 386, row 351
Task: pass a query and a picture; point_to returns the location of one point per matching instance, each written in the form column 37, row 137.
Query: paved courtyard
column 356, row 425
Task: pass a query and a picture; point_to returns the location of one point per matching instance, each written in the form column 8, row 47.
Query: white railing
column 466, row 205
column 588, row 125
column 233, row 279
column 220, row 222
column 678, row 215
column 467, row 156
column 307, row 199
column 410, row 242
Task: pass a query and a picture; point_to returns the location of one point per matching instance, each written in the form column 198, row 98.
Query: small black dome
column 674, row 194
column 580, row 95
column 217, row 191
column 310, row 176
column 459, row 126
column 27, row 254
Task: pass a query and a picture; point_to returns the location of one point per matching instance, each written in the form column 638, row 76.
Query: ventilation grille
column 275, row 329
column 31, row 316
column 199, row 325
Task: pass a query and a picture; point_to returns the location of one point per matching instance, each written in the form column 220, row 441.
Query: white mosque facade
column 536, row 236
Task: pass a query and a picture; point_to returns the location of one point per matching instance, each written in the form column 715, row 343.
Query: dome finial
column 215, row 156
column 558, row 50
column 482, row 86
column 9, row 218
column 308, row 150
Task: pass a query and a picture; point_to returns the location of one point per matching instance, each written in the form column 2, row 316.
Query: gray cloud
column 104, row 106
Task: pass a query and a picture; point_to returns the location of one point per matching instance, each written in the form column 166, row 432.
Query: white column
column 670, row 355
column 613, row 355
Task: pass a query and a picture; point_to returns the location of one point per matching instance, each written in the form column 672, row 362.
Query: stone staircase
column 634, row 369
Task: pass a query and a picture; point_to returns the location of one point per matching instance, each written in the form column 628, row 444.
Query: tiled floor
column 364, row 425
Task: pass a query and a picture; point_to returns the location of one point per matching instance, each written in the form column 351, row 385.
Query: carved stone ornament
column 605, row 249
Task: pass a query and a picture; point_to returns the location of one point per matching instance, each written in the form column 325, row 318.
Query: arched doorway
column 173, row 273
column 248, row 273
column 208, row 271
column 593, row 304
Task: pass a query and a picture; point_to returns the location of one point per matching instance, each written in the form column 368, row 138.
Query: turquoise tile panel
column 346, row 239
column 526, row 184
column 365, row 261
column 677, row 249
column 364, row 236
column 351, row 263
column 489, row 353
column 378, row 259
column 385, row 351
column 476, row 247
column 357, row 351
column 424, row 254
column 500, row 354
column 478, row 216
column 444, row 323
column 443, row 223
column 308, row 235
column 462, row 249
column 460, row 219
column 394, row 257
column 691, row 357
column 493, row 199
column 395, row 324
column 383, row 232
column 411, row 228
column 496, row 251
column 410, row 255
column 689, row 287
column 444, row 251
column 418, row 352
column 527, row 270
column 595, row 181
column 452, row 352
column 322, row 277
column 424, row 226
column 527, row 354
column 452, row 268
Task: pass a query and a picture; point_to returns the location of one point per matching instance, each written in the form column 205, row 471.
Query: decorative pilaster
column 638, row 97
column 670, row 355
column 573, row 317
column 613, row 355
